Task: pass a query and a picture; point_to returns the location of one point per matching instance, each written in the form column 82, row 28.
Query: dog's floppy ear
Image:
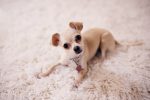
column 76, row 25
column 55, row 39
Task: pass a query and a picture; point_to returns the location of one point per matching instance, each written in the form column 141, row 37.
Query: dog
column 81, row 48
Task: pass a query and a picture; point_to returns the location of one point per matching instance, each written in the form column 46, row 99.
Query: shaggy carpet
column 25, row 29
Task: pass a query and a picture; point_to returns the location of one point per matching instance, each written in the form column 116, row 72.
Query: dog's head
column 71, row 40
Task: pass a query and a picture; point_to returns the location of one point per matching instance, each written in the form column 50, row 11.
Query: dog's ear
column 76, row 25
column 55, row 39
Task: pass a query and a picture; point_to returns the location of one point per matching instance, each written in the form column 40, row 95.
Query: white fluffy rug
column 25, row 28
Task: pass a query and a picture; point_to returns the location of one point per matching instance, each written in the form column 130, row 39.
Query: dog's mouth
column 76, row 59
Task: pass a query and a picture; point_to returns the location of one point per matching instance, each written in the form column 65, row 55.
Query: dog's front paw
column 38, row 75
column 76, row 83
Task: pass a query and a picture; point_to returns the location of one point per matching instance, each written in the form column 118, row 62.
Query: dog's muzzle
column 77, row 49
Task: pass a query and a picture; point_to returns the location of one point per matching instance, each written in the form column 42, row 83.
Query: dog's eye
column 66, row 45
column 78, row 38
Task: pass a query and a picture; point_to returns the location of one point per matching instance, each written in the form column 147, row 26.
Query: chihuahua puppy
column 81, row 47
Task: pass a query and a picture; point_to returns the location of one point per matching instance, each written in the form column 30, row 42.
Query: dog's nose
column 77, row 49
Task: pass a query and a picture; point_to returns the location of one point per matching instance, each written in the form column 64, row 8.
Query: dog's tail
column 124, row 45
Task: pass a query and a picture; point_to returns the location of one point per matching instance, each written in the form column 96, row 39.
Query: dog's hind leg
column 103, row 54
column 107, row 44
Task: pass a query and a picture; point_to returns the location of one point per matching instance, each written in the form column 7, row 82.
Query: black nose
column 77, row 49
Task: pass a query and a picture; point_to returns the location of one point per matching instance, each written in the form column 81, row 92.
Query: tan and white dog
column 81, row 47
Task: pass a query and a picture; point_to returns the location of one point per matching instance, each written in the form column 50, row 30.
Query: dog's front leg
column 48, row 71
column 81, row 74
